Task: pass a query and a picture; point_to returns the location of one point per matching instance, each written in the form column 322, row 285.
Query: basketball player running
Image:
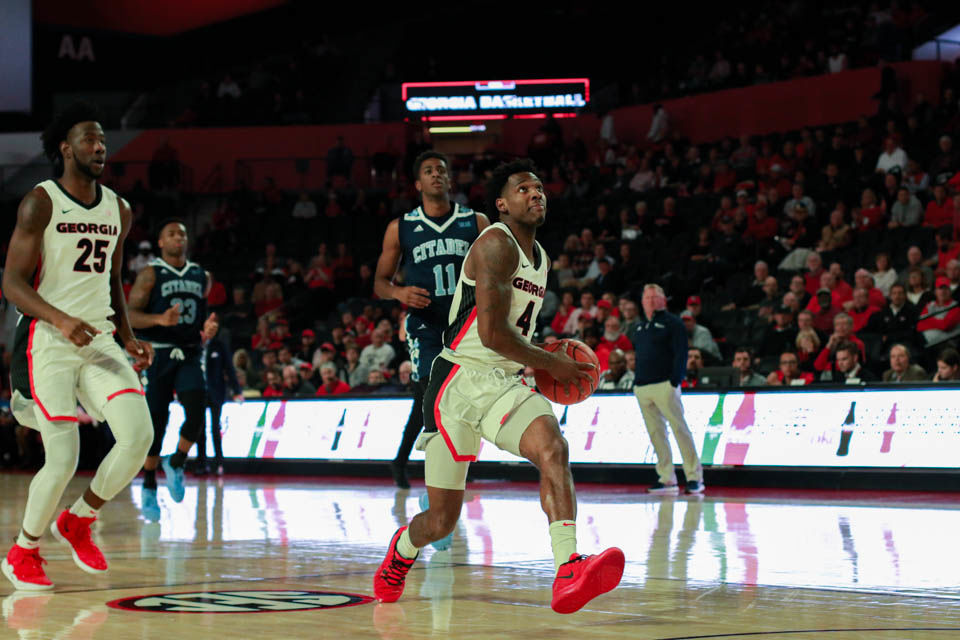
column 167, row 306
column 474, row 393
column 63, row 274
column 430, row 243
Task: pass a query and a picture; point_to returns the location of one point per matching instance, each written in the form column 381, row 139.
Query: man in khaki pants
column 660, row 344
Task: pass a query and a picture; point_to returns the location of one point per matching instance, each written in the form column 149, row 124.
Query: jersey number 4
column 99, row 251
column 524, row 320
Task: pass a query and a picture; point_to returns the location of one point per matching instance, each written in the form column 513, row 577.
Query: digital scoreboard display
column 495, row 99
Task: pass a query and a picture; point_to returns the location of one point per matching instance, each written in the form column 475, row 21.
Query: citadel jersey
column 184, row 286
column 433, row 252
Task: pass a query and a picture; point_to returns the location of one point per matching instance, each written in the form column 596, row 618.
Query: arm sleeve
column 679, row 346
column 822, row 363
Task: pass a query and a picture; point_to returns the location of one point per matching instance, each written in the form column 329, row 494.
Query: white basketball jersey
column 77, row 253
column 461, row 340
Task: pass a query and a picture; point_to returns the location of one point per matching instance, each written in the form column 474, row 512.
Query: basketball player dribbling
column 474, row 393
column 168, row 308
column 429, row 243
column 63, row 273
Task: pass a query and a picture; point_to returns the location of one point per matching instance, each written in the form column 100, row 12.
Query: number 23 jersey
column 184, row 287
column 76, row 256
column 461, row 340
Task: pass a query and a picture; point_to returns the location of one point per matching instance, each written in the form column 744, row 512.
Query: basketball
column 556, row 392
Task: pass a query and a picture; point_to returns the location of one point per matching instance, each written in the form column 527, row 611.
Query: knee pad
column 194, row 409
column 131, row 424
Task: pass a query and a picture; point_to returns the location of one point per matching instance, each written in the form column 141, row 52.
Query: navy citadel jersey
column 433, row 252
column 186, row 287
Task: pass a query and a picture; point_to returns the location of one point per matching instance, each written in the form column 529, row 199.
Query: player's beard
column 88, row 170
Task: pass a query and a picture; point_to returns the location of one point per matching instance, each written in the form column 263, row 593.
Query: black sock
column 177, row 459
column 149, row 478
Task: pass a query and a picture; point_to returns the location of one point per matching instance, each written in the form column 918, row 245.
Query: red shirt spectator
column 806, row 376
column 337, row 387
column 938, row 214
column 217, row 296
column 760, row 227
column 943, row 257
column 824, row 361
column 870, row 218
column 272, row 392
column 861, row 317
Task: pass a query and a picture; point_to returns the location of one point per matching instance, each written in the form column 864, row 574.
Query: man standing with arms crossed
column 63, row 274
column 660, row 344
column 474, row 393
column 429, row 243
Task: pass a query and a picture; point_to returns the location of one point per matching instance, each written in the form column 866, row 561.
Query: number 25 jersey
column 76, row 256
column 461, row 340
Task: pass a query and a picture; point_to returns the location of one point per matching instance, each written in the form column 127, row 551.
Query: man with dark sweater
column 660, row 344
column 220, row 373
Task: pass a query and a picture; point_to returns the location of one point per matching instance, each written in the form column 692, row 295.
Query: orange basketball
column 556, row 392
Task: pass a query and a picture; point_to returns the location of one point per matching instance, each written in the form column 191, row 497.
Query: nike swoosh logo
column 66, row 210
column 566, row 577
column 569, row 524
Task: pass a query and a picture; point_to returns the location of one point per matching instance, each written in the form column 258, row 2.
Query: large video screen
column 889, row 427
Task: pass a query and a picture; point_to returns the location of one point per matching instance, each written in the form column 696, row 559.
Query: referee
column 660, row 344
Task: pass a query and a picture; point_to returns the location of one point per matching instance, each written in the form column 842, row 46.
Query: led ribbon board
column 495, row 99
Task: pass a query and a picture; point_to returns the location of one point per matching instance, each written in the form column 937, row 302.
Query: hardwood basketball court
column 733, row 564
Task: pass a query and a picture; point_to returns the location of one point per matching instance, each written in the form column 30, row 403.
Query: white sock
column 563, row 540
column 405, row 546
column 27, row 543
column 82, row 509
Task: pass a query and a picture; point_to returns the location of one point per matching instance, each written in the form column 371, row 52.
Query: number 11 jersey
column 76, row 256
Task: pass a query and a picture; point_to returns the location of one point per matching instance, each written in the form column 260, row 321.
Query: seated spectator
column 840, row 291
column 307, row 341
column 798, row 287
column 353, row 372
column 947, row 249
column 241, row 362
column 694, row 364
column 906, row 211
column 842, row 332
column 402, row 382
column 248, row 390
column 917, row 180
column 837, row 234
column 900, row 368
column 847, row 368
column 893, row 157
column 761, row 226
column 823, row 310
column 871, row 213
column 588, row 307
column 755, row 293
column 273, row 387
column 294, row 386
column 948, row 366
column 617, row 377
column 699, row 337
column 814, row 271
column 953, row 275
column 285, row 357
column 330, row 384
column 915, row 260
column 374, row 383
column 611, row 340
column 743, row 361
column 770, row 300
column 789, row 374
column 262, row 338
column 918, row 292
column 563, row 312
column 884, row 275
column 630, row 316
column 896, row 321
column 781, row 334
column 939, row 211
column 799, row 198
column 939, row 323
column 861, row 309
column 807, row 345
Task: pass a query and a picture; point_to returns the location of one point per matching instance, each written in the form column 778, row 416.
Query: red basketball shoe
column 73, row 530
column 584, row 578
column 24, row 568
column 388, row 583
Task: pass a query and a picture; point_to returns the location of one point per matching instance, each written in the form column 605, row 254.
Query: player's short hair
column 56, row 131
column 501, row 174
column 170, row 220
column 427, row 155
